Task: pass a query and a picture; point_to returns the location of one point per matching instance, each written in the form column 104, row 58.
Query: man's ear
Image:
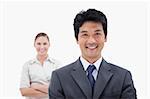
column 105, row 39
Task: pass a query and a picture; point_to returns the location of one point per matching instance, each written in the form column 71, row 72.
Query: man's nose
column 91, row 39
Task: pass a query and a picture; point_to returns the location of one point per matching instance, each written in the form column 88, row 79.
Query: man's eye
column 98, row 33
column 84, row 35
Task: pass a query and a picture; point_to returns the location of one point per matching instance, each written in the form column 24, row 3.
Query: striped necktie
column 90, row 69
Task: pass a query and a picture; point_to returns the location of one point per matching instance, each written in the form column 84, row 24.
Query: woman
column 36, row 73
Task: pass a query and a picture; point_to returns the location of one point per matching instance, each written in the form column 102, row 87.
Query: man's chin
column 92, row 56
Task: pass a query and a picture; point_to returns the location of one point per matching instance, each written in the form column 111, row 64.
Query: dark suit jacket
column 71, row 82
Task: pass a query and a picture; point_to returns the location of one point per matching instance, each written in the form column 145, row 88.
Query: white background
column 127, row 44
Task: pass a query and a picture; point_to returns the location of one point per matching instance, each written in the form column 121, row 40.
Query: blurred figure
column 36, row 73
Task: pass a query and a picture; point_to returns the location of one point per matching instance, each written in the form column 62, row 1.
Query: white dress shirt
column 85, row 64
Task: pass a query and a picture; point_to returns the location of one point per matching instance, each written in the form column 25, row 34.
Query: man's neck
column 91, row 60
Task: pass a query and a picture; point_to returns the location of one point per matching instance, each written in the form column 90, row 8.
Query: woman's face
column 41, row 44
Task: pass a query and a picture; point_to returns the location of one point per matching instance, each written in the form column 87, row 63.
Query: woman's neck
column 42, row 58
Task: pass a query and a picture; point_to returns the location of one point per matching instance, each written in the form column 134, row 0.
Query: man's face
column 91, row 39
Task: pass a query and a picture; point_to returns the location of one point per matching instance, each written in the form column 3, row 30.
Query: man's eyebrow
column 99, row 30
column 84, row 31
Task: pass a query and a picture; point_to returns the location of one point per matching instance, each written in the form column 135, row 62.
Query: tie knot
column 91, row 68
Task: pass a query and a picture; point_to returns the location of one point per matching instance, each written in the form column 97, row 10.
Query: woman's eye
column 38, row 43
column 45, row 44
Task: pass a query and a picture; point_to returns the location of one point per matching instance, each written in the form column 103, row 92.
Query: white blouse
column 34, row 72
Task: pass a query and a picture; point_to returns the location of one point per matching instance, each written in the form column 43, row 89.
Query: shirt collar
column 85, row 63
column 35, row 60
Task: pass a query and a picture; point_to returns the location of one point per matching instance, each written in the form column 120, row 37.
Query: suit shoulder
column 65, row 68
column 117, row 68
column 119, row 72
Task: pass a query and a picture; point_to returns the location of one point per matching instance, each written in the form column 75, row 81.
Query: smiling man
column 91, row 77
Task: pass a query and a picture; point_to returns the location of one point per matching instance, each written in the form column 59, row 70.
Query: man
column 91, row 77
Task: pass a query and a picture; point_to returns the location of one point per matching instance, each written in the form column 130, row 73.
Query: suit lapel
column 79, row 75
column 103, row 78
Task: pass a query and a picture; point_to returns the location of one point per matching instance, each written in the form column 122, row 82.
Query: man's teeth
column 91, row 47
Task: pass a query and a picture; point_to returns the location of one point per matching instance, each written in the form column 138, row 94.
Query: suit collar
column 103, row 78
column 85, row 63
column 81, row 79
